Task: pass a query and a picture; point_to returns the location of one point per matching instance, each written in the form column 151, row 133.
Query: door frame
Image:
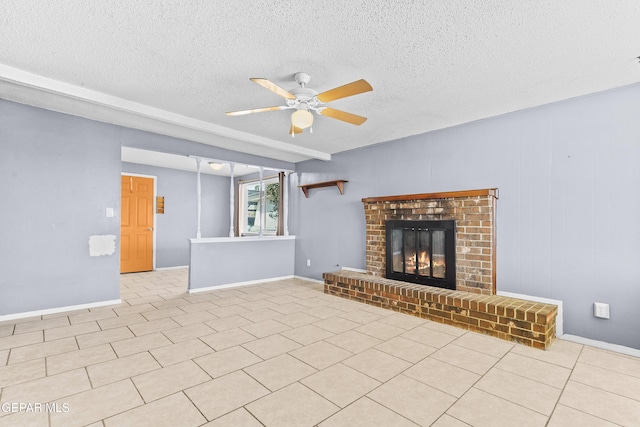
column 155, row 219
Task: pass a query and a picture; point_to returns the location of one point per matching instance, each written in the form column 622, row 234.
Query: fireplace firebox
column 422, row 252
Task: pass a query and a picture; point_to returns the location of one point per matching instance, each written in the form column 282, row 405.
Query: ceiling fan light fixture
column 306, row 100
column 302, row 119
column 216, row 166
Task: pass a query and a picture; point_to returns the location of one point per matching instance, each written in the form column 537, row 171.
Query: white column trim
column 199, row 195
column 232, row 202
column 262, row 203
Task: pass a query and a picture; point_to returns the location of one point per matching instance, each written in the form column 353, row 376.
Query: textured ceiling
column 175, row 67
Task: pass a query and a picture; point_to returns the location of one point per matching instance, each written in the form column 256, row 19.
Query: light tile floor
column 285, row 354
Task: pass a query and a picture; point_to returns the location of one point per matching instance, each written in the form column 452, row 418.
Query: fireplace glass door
column 422, row 252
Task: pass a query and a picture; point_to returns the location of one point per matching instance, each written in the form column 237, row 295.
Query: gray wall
column 240, row 260
column 567, row 223
column 178, row 224
column 57, row 175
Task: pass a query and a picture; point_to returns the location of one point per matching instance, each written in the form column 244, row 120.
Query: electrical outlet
column 308, row 263
column 601, row 310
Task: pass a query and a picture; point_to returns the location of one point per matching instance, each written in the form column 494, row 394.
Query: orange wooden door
column 136, row 227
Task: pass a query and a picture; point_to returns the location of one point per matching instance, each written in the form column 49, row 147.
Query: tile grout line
column 382, row 383
column 531, row 379
column 428, row 385
column 633, row 375
column 601, row 389
column 374, row 401
column 565, row 385
column 586, row 413
column 121, row 412
column 449, row 415
column 194, row 405
column 502, row 398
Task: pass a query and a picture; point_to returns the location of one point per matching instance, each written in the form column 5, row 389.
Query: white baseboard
column 58, row 310
column 309, row 279
column 357, row 270
column 177, row 267
column 601, row 344
column 238, row 284
column 559, row 318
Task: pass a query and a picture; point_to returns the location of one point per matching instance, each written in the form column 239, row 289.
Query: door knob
column 150, row 228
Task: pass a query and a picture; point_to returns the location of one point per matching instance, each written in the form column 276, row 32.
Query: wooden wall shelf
column 338, row 183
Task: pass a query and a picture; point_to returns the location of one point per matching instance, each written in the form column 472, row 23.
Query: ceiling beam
column 80, row 94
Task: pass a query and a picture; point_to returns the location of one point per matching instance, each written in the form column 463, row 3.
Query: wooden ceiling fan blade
column 343, row 115
column 349, row 89
column 268, row 84
column 255, row 110
column 294, row 129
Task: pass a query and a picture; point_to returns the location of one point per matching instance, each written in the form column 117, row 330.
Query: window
column 252, row 217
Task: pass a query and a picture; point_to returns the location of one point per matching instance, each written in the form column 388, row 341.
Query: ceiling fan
column 305, row 100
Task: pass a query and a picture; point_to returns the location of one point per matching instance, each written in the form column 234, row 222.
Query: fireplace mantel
column 474, row 213
column 425, row 196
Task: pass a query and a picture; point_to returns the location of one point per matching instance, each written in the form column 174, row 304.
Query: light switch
column 109, row 212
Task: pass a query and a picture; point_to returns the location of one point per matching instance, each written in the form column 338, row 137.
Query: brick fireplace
column 474, row 215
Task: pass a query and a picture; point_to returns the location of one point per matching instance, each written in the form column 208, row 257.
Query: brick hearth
column 512, row 319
